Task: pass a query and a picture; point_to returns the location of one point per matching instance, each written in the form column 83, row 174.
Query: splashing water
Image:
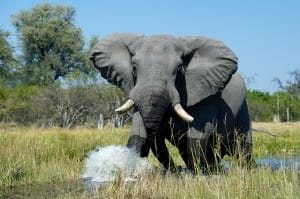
column 104, row 164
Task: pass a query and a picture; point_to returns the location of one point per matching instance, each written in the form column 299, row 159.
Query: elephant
column 182, row 89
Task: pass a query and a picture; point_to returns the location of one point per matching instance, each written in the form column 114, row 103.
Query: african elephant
column 185, row 90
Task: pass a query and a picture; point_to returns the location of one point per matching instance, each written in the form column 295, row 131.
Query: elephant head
column 159, row 72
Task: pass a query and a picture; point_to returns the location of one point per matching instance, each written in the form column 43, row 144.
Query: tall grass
column 237, row 183
column 54, row 157
column 32, row 155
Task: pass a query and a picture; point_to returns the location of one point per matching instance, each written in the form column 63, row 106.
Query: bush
column 56, row 106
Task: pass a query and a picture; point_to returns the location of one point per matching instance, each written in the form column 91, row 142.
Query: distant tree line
column 279, row 107
column 283, row 105
column 52, row 105
column 47, row 80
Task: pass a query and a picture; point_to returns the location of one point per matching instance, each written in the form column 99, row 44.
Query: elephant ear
column 111, row 56
column 209, row 65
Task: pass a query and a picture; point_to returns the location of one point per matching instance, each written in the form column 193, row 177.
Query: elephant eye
column 181, row 69
column 133, row 72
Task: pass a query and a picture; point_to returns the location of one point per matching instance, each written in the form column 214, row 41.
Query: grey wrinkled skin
column 160, row 71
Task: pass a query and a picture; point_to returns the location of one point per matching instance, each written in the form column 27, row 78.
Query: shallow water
column 275, row 163
column 279, row 163
column 105, row 164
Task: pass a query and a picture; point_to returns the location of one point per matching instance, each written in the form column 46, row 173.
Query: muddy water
column 68, row 189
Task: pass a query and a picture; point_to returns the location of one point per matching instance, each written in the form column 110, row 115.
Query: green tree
column 52, row 45
column 17, row 105
column 6, row 55
column 260, row 106
column 91, row 76
column 288, row 106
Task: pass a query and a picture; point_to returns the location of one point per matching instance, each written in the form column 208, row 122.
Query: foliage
column 289, row 106
column 6, row 55
column 264, row 106
column 88, row 77
column 17, row 104
column 52, row 45
column 56, row 106
column 260, row 106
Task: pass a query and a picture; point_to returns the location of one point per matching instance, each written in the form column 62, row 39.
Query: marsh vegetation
column 36, row 162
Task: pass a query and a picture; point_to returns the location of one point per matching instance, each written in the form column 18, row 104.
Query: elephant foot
column 139, row 144
column 202, row 157
column 178, row 171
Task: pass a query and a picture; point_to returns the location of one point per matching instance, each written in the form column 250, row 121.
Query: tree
column 18, row 105
column 292, row 86
column 91, row 76
column 6, row 54
column 288, row 107
column 260, row 106
column 52, row 45
column 281, row 106
column 289, row 97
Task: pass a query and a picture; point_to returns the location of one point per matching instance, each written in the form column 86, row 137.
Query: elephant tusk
column 182, row 113
column 125, row 107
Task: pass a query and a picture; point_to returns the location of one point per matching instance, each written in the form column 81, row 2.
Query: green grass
column 237, row 183
column 37, row 162
column 31, row 155
column 285, row 144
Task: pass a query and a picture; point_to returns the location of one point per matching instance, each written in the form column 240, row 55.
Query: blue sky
column 263, row 34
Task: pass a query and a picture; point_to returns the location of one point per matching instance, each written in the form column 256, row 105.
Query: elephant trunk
column 152, row 102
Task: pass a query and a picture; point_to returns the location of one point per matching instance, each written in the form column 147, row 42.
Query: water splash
column 105, row 164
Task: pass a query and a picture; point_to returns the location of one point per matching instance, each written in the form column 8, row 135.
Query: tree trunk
column 100, row 122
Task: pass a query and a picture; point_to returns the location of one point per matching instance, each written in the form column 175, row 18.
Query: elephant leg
column 159, row 148
column 200, row 149
column 183, row 150
column 200, row 135
column 244, row 135
column 138, row 137
column 139, row 144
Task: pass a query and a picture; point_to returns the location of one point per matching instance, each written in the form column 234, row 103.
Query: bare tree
column 291, row 86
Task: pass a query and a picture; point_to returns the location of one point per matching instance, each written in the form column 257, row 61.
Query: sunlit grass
column 32, row 155
column 285, row 144
column 53, row 157
column 237, row 183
